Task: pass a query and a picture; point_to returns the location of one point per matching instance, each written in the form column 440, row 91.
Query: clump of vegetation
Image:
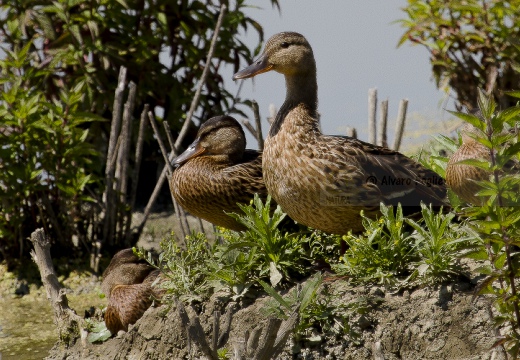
column 472, row 44
column 393, row 248
column 497, row 220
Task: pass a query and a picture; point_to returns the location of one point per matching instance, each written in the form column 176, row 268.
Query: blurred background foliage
column 59, row 71
column 472, row 44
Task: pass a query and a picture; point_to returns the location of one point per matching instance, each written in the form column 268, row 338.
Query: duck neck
column 302, row 92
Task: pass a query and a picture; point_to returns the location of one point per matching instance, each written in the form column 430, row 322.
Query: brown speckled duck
column 324, row 181
column 127, row 283
column 216, row 172
column 463, row 178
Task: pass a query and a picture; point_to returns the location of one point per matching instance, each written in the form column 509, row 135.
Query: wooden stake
column 381, row 131
column 400, row 123
column 259, row 136
column 372, row 105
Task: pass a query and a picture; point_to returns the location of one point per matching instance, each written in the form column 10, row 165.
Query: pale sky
column 355, row 45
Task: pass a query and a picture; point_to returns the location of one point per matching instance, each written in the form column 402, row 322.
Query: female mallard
column 324, row 181
column 216, row 172
column 127, row 283
column 463, row 178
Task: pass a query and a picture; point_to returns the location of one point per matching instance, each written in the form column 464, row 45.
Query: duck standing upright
column 216, row 172
column 325, row 181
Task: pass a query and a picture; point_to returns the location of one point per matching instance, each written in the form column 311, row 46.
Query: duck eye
column 285, row 45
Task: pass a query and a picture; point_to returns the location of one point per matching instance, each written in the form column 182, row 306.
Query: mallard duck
column 463, row 178
column 127, row 283
column 216, row 172
column 324, row 181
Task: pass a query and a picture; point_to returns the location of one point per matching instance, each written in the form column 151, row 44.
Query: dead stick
column 259, row 135
column 176, row 153
column 135, row 175
column 202, row 80
column 108, row 198
column 399, row 128
column 64, row 317
column 381, row 131
column 193, row 106
column 351, row 132
column 182, row 222
column 372, row 105
column 247, row 124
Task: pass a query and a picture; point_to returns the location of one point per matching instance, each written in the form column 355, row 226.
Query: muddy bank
column 442, row 323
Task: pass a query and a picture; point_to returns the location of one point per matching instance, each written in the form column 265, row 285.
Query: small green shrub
column 497, row 221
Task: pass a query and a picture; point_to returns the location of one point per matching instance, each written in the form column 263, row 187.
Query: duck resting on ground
column 325, row 181
column 463, row 178
column 216, row 172
column 127, row 283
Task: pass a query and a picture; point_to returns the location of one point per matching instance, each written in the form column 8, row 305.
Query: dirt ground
column 441, row 323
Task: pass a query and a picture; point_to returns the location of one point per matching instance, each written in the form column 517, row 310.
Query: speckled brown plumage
column 324, row 181
column 463, row 178
column 127, row 283
column 216, row 172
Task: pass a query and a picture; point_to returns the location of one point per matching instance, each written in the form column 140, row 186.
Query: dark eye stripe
column 285, row 45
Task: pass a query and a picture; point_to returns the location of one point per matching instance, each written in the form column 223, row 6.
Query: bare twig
column 65, row 318
column 381, row 131
column 184, row 128
column 202, row 80
column 259, row 135
column 108, row 197
column 247, row 124
column 194, row 331
column 377, row 351
column 372, row 106
column 267, row 340
column 135, row 175
column 126, row 139
column 183, row 224
column 399, row 127
column 176, row 153
column 272, row 113
column 351, row 132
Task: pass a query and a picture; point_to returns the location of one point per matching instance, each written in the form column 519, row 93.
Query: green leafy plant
column 45, row 157
column 382, row 253
column 439, row 244
column 472, row 44
column 184, row 270
column 278, row 255
column 497, row 220
column 319, row 310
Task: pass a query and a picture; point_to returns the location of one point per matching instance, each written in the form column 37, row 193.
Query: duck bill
column 194, row 150
column 261, row 65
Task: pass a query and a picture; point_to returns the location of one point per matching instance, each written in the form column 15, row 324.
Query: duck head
column 124, row 269
column 220, row 137
column 288, row 53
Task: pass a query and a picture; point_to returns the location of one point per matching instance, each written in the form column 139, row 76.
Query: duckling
column 216, row 172
column 325, row 181
column 127, row 283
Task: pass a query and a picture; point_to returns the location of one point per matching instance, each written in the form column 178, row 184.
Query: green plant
column 382, row 253
column 439, row 243
column 278, row 255
column 45, row 157
column 61, row 59
column 472, row 44
column 184, row 271
column 497, row 220
column 319, row 310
